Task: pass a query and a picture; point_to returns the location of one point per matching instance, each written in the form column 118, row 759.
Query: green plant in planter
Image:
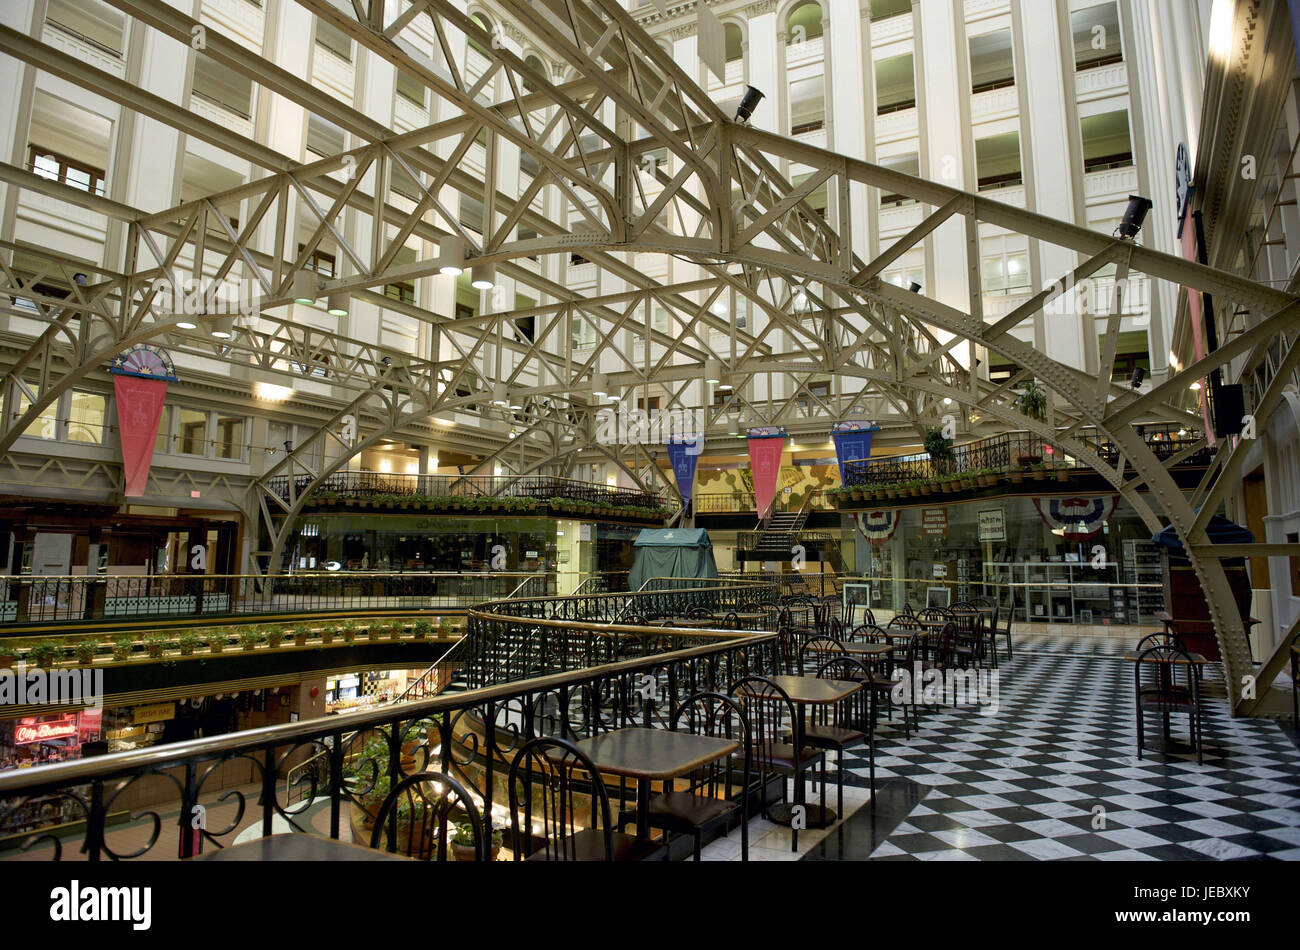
column 217, row 641
column 46, row 653
column 349, row 631
column 1032, row 402
column 329, row 632
column 156, row 643
column 300, row 635
column 85, row 651
column 275, row 636
column 187, row 642
column 940, row 449
column 122, row 647
column 422, row 629
column 249, row 637
column 374, row 630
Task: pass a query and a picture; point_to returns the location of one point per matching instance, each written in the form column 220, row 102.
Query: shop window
column 223, row 86
column 895, row 84
column 86, row 417
column 1106, row 142
column 992, row 65
column 1097, row 40
column 191, row 432
column 90, row 21
column 230, row 437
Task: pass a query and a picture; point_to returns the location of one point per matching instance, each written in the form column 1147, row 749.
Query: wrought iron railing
column 576, row 678
column 1018, row 449
column 434, row 488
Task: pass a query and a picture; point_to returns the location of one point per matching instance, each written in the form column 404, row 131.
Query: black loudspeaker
column 1138, row 375
column 1229, row 408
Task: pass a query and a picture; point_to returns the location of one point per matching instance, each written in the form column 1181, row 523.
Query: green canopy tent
column 672, row 552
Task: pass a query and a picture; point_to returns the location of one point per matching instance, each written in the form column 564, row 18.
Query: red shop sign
column 28, row 731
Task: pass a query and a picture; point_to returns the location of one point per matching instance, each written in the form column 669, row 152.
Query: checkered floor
column 1054, row 774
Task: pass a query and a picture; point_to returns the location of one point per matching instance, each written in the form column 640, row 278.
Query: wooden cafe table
column 805, row 691
column 652, row 755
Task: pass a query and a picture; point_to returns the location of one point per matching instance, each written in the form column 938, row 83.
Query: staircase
column 780, row 533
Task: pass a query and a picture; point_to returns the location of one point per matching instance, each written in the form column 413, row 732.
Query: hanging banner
column 1185, row 188
column 877, row 526
column 683, row 457
column 140, row 378
column 1076, row 519
column 765, row 447
column 852, row 442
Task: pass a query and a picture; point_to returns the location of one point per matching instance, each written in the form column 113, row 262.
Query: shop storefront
column 1069, row 560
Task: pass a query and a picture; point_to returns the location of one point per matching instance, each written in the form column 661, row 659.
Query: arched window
column 805, row 24
column 735, row 42
column 474, row 44
column 535, row 64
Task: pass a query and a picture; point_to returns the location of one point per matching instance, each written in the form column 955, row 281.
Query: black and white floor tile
column 1054, row 774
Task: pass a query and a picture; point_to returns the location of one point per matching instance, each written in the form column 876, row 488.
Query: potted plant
column 444, row 627
column 275, row 636
column 328, row 633
column 122, row 648
column 462, row 842
column 396, row 629
column 217, row 641
column 85, row 651
column 300, row 634
column 187, row 641
column 6, row 656
column 249, row 638
column 939, row 448
column 1038, row 472
column 349, row 631
column 373, row 631
column 155, row 643
column 422, row 628
column 1017, row 475
column 1032, row 402
column 46, row 653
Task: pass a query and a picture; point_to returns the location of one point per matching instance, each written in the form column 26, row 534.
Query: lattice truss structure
column 817, row 299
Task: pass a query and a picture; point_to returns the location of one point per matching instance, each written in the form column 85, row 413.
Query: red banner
column 765, row 463
column 139, row 407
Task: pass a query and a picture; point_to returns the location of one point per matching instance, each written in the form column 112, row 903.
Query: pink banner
column 139, row 407
column 765, row 463
column 1188, row 245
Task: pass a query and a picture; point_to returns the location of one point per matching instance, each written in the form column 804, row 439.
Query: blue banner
column 683, row 456
column 852, row 441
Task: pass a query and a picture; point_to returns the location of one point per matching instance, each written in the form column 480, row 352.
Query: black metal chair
column 1157, row 688
column 816, row 651
column 414, row 818
column 699, row 613
column 713, row 795
column 772, row 723
column 560, row 808
column 844, row 724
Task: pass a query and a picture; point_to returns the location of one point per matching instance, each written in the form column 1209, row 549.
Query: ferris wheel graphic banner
column 140, row 379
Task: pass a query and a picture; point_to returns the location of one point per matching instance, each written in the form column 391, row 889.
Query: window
column 813, row 394
column 90, row 21
column 883, row 9
column 56, row 167
column 324, row 138
column 908, row 163
column 1001, row 372
column 650, row 405
column 322, row 262
column 991, row 63
column 1131, row 352
column 470, row 214
column 191, row 432
column 1096, row 37
column 895, row 84
column 535, row 64
column 997, row 161
column 582, row 333
column 805, row 24
column 402, row 183
column 222, row 86
column 162, row 442
column 45, row 424
column 481, row 21
column 735, row 42
column 807, row 105
column 86, row 417
column 410, row 88
column 334, row 40
column 403, row 291
column 230, row 437
column 1006, row 273
column 1106, row 141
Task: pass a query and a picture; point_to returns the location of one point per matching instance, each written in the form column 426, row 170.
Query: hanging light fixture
column 337, row 303
column 499, row 395
column 186, row 324
column 451, row 255
column 304, row 287
column 748, row 103
column 222, row 328
column 483, row 276
column 712, row 371
column 598, row 387
column 1134, row 215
